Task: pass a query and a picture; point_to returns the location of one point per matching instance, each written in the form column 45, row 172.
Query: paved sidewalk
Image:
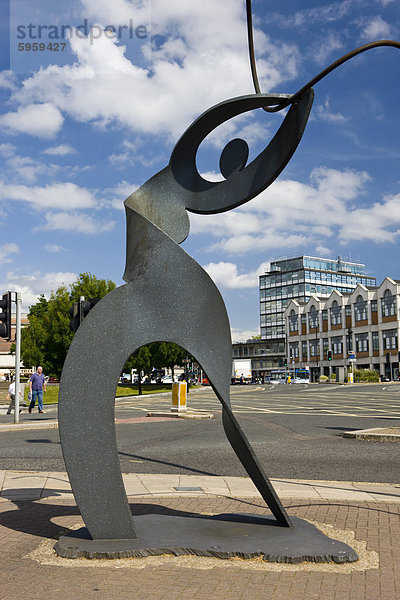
column 36, row 507
column 30, row 485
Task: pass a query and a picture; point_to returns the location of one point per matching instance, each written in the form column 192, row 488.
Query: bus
column 300, row 375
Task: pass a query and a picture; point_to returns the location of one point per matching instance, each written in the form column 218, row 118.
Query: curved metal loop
column 206, row 197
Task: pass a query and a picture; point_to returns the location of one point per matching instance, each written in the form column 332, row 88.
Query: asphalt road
column 295, row 431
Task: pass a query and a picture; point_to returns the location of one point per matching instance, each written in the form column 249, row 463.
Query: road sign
column 352, row 356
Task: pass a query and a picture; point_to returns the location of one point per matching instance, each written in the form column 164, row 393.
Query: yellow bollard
column 179, row 396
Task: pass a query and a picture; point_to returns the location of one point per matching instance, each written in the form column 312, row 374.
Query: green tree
column 47, row 338
column 155, row 355
column 89, row 286
column 167, row 354
column 141, row 360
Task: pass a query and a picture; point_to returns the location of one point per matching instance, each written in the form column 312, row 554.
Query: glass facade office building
column 298, row 278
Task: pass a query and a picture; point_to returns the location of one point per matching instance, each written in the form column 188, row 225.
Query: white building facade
column 365, row 321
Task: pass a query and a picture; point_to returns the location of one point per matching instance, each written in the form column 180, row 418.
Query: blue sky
column 83, row 128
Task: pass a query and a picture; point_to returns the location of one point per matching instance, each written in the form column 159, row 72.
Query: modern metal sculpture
column 163, row 281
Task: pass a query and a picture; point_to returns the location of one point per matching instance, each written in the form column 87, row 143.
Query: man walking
column 37, row 385
column 11, row 396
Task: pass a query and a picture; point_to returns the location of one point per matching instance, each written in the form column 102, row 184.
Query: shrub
column 323, row 379
column 365, row 375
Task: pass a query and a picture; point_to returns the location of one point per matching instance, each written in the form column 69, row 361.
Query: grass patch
column 51, row 395
column 147, row 388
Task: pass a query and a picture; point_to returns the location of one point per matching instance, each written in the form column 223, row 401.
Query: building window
column 235, row 352
column 314, row 347
column 360, row 309
column 388, row 304
column 304, row 350
column 245, row 351
column 293, row 321
column 374, row 305
column 362, row 342
column 324, row 315
column 347, row 310
column 336, row 314
column 375, row 340
column 313, row 318
column 389, row 339
column 337, row 345
column 294, row 350
column 303, row 319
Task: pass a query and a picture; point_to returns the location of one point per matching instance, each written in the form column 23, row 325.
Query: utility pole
column 18, row 302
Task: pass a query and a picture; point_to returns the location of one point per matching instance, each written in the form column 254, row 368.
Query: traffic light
column 75, row 314
column 285, row 361
column 5, row 316
column 80, row 310
column 87, row 305
column 329, row 354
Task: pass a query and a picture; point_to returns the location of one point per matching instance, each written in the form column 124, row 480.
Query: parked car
column 169, row 379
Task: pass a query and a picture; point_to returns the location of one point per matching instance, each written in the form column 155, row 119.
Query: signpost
column 352, row 359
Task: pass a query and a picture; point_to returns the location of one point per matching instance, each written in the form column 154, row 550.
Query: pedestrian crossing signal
column 5, row 316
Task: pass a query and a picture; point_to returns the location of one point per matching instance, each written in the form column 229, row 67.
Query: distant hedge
column 361, row 375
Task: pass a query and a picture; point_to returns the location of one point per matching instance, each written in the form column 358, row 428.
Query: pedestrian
column 11, row 396
column 37, row 385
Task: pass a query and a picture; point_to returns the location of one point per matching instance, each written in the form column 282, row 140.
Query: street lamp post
column 186, row 362
column 316, row 349
column 350, row 347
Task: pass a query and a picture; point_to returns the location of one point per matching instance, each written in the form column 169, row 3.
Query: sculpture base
column 220, row 536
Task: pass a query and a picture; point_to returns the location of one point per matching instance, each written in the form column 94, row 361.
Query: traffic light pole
column 18, row 302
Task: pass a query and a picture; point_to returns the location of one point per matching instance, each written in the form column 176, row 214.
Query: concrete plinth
column 222, row 536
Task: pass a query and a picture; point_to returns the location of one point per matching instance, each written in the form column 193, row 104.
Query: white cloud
column 323, row 48
column 53, row 248
column 76, row 223
column 103, row 87
column 289, row 214
column 8, row 80
column 116, row 196
column 7, row 150
column 327, row 13
column 325, row 113
column 61, row 150
column 323, row 251
column 41, row 120
column 28, row 169
column 58, row 195
column 33, row 285
column 242, row 336
column 379, row 223
column 225, row 275
column 6, row 250
column 376, row 29
column 117, row 12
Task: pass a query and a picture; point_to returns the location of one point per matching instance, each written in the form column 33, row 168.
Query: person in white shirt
column 11, row 395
